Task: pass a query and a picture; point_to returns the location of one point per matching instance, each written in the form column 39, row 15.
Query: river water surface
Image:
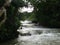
column 32, row 34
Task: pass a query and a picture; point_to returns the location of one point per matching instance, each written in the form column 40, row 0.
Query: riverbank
column 6, row 36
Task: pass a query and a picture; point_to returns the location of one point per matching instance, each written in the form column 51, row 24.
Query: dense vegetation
column 8, row 29
column 27, row 16
column 47, row 12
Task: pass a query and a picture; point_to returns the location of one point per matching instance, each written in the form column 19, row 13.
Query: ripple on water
column 47, row 37
column 43, row 39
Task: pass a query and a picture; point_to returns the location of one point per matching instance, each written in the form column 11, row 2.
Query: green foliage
column 12, row 20
column 9, row 29
column 18, row 3
column 22, row 16
column 31, row 16
column 48, row 13
column 27, row 16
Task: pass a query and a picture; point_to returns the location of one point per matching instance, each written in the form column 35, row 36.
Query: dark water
column 35, row 35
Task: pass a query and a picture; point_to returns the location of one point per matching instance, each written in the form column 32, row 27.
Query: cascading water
column 39, row 36
column 35, row 35
column 29, row 27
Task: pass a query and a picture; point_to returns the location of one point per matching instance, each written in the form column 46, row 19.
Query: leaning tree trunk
column 3, row 14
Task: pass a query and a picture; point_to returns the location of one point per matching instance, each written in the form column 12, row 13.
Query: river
column 32, row 34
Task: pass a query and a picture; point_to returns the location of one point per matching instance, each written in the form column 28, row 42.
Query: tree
column 47, row 12
column 9, row 28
